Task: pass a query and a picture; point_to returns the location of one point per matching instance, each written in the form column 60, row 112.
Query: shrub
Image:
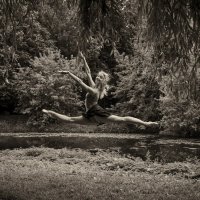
column 40, row 86
column 180, row 117
column 137, row 88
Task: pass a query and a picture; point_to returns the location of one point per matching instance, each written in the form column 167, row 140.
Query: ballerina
column 96, row 90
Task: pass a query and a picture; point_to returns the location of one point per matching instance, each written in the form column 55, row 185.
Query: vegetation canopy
column 173, row 25
column 149, row 47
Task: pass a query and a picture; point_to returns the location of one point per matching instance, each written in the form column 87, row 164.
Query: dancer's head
column 101, row 82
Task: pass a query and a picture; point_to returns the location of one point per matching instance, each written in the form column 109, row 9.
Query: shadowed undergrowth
column 18, row 124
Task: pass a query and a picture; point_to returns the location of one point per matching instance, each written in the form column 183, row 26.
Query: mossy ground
column 60, row 174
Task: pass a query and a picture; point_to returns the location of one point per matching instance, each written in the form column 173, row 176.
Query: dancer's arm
column 87, row 70
column 78, row 80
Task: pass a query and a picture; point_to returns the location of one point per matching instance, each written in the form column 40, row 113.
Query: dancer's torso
column 91, row 100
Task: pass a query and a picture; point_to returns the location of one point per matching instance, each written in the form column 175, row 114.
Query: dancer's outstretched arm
column 87, row 70
column 78, row 80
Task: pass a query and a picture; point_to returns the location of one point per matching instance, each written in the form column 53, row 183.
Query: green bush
column 20, row 41
column 41, row 86
column 137, row 90
column 180, row 117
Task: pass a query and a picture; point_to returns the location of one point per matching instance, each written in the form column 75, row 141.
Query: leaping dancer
column 96, row 90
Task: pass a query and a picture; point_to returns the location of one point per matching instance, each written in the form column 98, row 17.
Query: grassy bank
column 45, row 173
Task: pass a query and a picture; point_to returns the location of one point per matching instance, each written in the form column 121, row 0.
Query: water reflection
column 149, row 147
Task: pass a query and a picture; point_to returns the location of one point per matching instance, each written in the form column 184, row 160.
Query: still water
column 152, row 147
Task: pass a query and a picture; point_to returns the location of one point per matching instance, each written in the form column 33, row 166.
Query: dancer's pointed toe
column 45, row 111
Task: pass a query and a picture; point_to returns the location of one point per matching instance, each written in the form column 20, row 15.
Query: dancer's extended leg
column 127, row 120
column 76, row 120
column 111, row 118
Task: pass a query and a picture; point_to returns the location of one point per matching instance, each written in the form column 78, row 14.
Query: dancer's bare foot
column 45, row 111
column 48, row 112
column 154, row 124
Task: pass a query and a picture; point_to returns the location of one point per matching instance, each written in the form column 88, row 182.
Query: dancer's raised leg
column 77, row 120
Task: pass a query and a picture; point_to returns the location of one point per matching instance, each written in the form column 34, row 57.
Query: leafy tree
column 21, row 38
column 174, row 22
column 173, row 26
column 137, row 90
column 173, row 30
column 61, row 22
column 179, row 102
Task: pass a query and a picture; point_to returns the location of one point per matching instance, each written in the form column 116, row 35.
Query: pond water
column 144, row 146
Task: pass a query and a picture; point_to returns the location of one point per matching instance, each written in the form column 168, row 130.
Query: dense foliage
column 173, row 26
column 173, row 29
column 137, row 90
column 41, row 86
column 159, row 80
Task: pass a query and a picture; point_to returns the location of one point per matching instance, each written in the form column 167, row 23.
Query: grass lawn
column 60, row 174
